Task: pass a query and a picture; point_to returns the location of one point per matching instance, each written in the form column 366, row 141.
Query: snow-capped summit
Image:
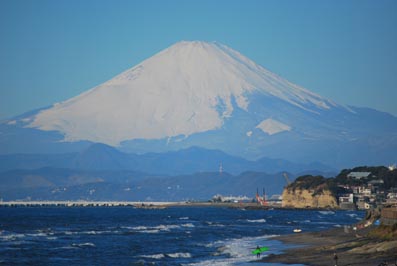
column 188, row 88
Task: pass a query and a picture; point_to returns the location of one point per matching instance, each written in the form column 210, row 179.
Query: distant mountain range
column 102, row 172
column 66, row 184
column 101, row 157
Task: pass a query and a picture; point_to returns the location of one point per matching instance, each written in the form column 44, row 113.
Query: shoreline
column 353, row 248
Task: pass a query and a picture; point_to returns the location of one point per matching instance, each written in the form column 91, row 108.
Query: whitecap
column 257, row 221
column 326, row 212
column 83, row 245
column 154, row 256
column 166, row 227
column 150, row 231
column 97, row 232
column 154, row 229
column 184, row 218
column 190, row 225
column 137, row 228
column 179, row 255
column 217, row 225
column 38, row 235
column 11, row 236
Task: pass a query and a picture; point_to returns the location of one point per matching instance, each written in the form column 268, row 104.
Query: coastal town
column 368, row 194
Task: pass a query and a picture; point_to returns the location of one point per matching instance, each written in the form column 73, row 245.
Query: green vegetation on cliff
column 317, row 184
column 388, row 177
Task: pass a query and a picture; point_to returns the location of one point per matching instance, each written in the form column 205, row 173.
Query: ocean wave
column 212, row 224
column 154, row 256
column 99, row 232
column 8, row 236
column 66, row 247
column 237, row 251
column 184, row 218
column 180, row 255
column 242, row 246
column 92, row 232
column 158, row 228
column 217, row 225
column 83, row 245
column 154, row 231
column 257, row 221
column 190, row 225
column 326, row 212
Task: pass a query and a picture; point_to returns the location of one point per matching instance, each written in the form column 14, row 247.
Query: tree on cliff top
column 388, row 176
column 317, row 184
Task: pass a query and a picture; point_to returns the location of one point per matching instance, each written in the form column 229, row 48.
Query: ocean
column 171, row 236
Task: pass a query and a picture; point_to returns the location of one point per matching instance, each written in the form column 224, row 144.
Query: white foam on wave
column 190, row 225
column 238, row 251
column 184, row 218
column 257, row 221
column 217, row 225
column 153, row 256
column 158, row 228
column 326, row 212
column 83, row 245
column 180, row 255
column 214, row 224
column 10, row 236
column 93, row 232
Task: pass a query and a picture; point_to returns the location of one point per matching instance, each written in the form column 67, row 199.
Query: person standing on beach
column 336, row 259
column 258, row 255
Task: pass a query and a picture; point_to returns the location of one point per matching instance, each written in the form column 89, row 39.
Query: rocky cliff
column 306, row 198
column 310, row 192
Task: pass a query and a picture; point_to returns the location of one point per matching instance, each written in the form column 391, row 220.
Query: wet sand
column 351, row 247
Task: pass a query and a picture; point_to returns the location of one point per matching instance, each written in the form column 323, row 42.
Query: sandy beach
column 352, row 248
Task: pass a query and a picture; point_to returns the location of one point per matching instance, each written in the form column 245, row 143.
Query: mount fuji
column 211, row 96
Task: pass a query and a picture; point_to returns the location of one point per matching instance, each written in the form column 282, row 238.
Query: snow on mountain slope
column 188, row 88
column 271, row 126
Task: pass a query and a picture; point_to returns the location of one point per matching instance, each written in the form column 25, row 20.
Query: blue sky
column 53, row 50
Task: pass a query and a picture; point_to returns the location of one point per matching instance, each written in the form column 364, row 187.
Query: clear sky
column 53, row 50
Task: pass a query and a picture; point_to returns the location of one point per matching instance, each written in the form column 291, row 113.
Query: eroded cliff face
column 306, row 198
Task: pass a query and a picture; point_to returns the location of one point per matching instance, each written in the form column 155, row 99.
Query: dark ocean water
column 172, row 236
